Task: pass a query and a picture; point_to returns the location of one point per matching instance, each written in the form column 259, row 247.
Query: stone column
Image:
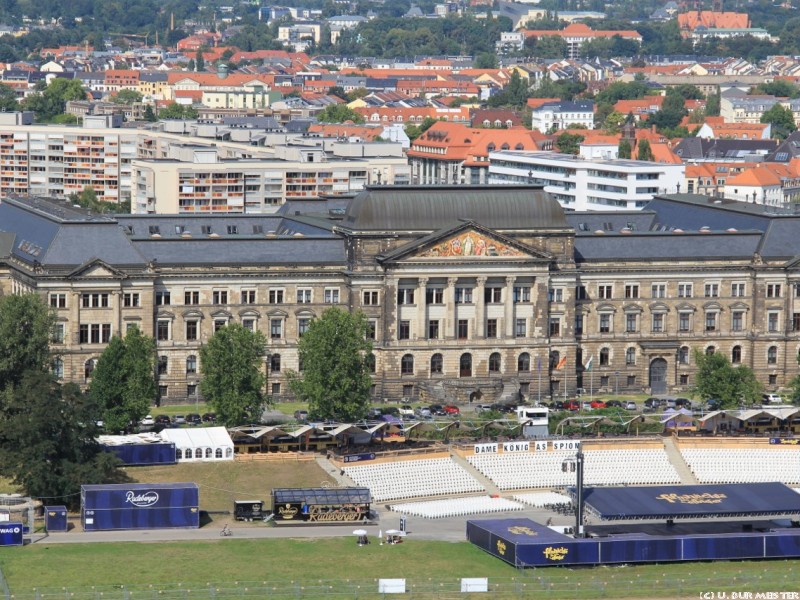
column 509, row 307
column 450, row 321
column 422, row 321
column 74, row 325
column 479, row 331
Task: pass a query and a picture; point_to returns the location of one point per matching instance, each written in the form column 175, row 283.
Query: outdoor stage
column 525, row 543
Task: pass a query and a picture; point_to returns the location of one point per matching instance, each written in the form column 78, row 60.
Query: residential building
column 577, row 34
column 552, row 116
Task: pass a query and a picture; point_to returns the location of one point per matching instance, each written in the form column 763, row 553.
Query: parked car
column 209, row 417
column 771, row 399
column 437, row 410
column 423, row 412
column 193, row 419
column 572, row 405
column 375, row 413
column 631, row 405
column 163, row 420
column 683, row 403
column 597, row 404
column 148, row 421
column 451, row 410
column 406, row 411
column 586, row 405
column 179, row 420
column 557, row 405
column 653, row 404
column 713, row 404
column 301, row 415
column 483, row 408
column 391, row 410
column 614, row 404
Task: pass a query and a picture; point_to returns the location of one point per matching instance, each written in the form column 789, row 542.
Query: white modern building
column 579, row 183
column 563, row 114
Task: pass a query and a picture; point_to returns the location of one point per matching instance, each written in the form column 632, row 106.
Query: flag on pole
column 561, row 363
column 588, row 365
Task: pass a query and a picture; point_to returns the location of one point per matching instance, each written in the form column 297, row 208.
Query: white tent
column 200, row 444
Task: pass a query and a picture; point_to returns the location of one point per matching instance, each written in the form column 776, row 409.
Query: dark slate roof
column 652, row 246
column 298, row 250
column 413, row 208
column 586, row 223
column 139, row 226
column 696, row 148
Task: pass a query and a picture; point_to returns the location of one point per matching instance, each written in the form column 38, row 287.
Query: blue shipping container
column 140, row 506
column 55, row 518
column 11, row 534
column 144, row 454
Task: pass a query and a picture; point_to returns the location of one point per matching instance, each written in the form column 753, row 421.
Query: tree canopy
column 338, row 113
column 175, row 111
column 781, row 119
column 50, row 101
column 26, row 326
column 718, row 378
column 569, row 143
column 232, row 364
column 127, row 97
column 336, row 355
column 123, row 382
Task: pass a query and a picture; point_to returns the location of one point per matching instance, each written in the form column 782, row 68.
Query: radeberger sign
column 325, row 513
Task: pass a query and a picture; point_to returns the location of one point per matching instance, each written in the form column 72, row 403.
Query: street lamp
column 575, row 465
column 616, row 383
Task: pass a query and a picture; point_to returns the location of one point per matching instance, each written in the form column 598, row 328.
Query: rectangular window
column 737, row 290
column 632, row 290
column 605, row 323
column 58, row 300
column 130, row 300
column 94, row 300
column 162, row 330
column 191, row 390
column 248, row 297
column 331, row 295
column 605, row 292
column 773, row 322
column 491, row 328
column 162, row 298
column 275, row 296
column 773, row 290
column 684, row 322
column 630, row 323
column 658, row 323
column 463, row 295
column 631, row 381
column 555, row 326
column 796, row 287
column 684, row 379
column 685, row 290
column 520, row 328
column 658, row 290
column 370, row 298
column 219, row 297
column 711, row 290
column 276, row 329
column 191, row 330
column 249, row 324
column 463, row 329
column 522, row 293
column 219, row 324
column 604, row 381
column 191, row 297
column 276, row 389
column 578, row 324
column 795, row 321
column 302, row 326
column 434, row 295
column 433, row 329
column 555, row 295
column 94, row 333
column 372, row 327
column 59, row 331
column 404, row 330
column 737, row 320
column 580, row 293
column 304, row 296
column 405, row 296
column 711, row 321
column 493, row 295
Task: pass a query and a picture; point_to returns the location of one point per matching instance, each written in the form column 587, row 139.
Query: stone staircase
column 491, row 488
column 676, row 458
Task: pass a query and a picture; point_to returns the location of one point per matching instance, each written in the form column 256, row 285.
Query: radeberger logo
column 559, row 553
column 520, row 530
column 501, row 547
column 288, row 511
column 692, row 498
column 143, row 500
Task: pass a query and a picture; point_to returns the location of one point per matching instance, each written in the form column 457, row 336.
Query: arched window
column 407, row 365
column 436, row 363
column 178, row 454
column 88, row 368
column 772, row 355
column 494, row 362
column 228, row 452
column 198, row 452
column 555, row 358
column 605, row 357
column 736, row 355
column 524, row 362
column 218, row 453
column 163, row 365
column 369, row 361
column 275, row 363
column 630, row 356
column 710, row 350
column 58, row 368
column 683, row 355
column 208, row 452
column 465, row 365
column 191, row 364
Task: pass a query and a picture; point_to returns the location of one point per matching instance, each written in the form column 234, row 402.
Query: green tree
column 794, row 384
column 49, row 101
column 149, row 114
column 485, row 60
column 127, row 97
column 414, row 131
column 26, row 327
column 569, row 143
column 199, row 61
column 546, row 46
column 339, row 113
column 778, row 87
column 712, row 105
column 336, row 357
column 338, row 91
column 8, row 99
column 48, row 441
column 613, row 122
column 123, row 382
column 233, row 381
column 644, row 151
column 624, row 150
column 781, row 119
column 177, row 111
column 718, row 378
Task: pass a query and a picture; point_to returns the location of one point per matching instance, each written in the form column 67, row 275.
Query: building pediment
column 96, row 269
column 466, row 242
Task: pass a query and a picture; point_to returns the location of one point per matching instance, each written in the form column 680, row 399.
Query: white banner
column 516, row 446
column 566, row 445
column 485, row 448
column 540, row 445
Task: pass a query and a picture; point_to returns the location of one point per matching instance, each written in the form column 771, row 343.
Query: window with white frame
column 248, row 296
column 370, row 297
column 219, row 296
column 605, row 292
column 331, row 295
column 275, row 296
column 738, row 289
column 773, row 321
column 773, row 290
column 522, row 293
column 631, row 291
column 463, row 295
column 658, row 290
column 276, row 329
column 130, row 299
column 58, row 300
column 685, row 290
column 711, row 290
column 304, row 295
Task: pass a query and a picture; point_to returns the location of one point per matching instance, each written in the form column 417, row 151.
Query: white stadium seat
column 743, row 465
column 453, row 507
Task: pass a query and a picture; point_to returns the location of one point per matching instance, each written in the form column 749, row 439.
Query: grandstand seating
column 743, row 465
column 617, row 466
column 414, row 479
column 543, row 499
column 453, row 507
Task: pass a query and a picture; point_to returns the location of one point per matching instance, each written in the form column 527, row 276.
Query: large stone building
column 472, row 292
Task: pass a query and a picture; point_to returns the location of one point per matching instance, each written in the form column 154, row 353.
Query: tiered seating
column 414, row 479
column 543, row 499
column 743, row 465
column 437, row 509
column 635, row 466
